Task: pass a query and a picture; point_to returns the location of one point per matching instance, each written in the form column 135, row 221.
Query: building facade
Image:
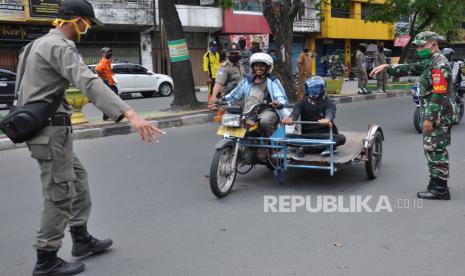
column 126, row 30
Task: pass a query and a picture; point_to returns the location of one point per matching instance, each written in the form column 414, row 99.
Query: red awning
column 244, row 23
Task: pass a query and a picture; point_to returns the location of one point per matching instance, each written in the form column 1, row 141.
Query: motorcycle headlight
column 231, row 120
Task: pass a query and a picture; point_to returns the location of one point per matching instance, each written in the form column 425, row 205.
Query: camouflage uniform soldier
column 437, row 109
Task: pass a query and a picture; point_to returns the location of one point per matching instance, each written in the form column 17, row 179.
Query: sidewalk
column 160, row 117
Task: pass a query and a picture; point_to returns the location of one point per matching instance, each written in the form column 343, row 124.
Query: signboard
column 44, row 8
column 178, row 50
column 265, row 38
column 401, row 41
column 207, row 2
column 21, row 32
column 11, row 9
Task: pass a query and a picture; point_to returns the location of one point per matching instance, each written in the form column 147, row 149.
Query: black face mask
column 306, row 50
column 234, row 59
column 108, row 56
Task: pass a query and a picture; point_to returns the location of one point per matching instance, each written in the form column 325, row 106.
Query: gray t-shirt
column 258, row 93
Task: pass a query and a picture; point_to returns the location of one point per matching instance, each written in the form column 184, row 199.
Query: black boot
column 48, row 264
column 437, row 189
column 84, row 244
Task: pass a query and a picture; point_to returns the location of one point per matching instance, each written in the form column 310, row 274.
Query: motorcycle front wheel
column 222, row 174
column 417, row 121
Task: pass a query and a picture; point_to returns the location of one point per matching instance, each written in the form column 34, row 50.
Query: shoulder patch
column 78, row 58
column 439, row 81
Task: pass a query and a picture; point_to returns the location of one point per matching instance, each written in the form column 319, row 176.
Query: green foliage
column 226, row 4
column 335, row 63
column 442, row 16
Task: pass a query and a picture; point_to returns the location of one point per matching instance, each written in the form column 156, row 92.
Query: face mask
column 213, row 49
column 424, row 53
column 60, row 22
column 306, row 50
column 108, row 56
column 234, row 59
column 82, row 34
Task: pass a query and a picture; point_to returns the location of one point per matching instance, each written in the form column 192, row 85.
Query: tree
column 280, row 15
column 443, row 16
column 181, row 70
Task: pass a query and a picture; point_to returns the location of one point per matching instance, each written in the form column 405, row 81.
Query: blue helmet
column 315, row 88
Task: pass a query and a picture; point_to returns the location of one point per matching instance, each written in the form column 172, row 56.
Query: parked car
column 134, row 78
column 7, row 87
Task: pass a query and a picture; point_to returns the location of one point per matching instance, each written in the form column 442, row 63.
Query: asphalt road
column 155, row 202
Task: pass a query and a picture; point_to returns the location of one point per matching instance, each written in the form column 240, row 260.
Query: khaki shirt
column 305, row 59
column 380, row 59
column 53, row 64
column 229, row 75
column 360, row 60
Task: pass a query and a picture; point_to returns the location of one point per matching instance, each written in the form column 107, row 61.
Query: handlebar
column 278, row 107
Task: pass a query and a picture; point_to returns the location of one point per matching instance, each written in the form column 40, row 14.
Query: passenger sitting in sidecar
column 316, row 106
column 258, row 88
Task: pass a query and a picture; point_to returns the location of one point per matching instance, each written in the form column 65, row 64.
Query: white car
column 134, row 78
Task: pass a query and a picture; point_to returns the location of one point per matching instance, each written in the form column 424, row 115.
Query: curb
column 198, row 117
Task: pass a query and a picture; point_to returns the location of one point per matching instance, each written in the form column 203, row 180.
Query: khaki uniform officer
column 52, row 64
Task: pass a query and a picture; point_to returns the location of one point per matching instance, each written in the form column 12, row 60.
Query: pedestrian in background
column 256, row 44
column 304, row 68
column 229, row 75
column 105, row 72
column 437, row 108
column 245, row 55
column 211, row 62
column 362, row 69
column 381, row 78
column 47, row 66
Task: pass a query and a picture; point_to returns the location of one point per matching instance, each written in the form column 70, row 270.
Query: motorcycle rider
column 261, row 87
column 316, row 106
column 456, row 68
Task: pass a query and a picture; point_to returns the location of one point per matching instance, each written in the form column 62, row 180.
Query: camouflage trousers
column 435, row 147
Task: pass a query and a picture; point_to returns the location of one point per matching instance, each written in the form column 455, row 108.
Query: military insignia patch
column 439, row 81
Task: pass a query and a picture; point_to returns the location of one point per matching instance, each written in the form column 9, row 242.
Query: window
column 340, row 8
column 247, row 5
column 4, row 76
column 367, row 10
column 121, row 69
column 137, row 69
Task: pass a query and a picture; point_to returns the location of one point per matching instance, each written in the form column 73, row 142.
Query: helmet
column 448, row 53
column 315, row 87
column 105, row 50
column 256, row 39
column 264, row 58
column 233, row 47
column 71, row 8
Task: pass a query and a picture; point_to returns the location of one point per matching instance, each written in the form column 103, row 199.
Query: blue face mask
column 213, row 49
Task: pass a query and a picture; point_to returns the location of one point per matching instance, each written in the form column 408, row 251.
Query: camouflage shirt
column 435, row 86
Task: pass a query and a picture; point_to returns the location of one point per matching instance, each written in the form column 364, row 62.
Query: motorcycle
column 418, row 121
column 236, row 153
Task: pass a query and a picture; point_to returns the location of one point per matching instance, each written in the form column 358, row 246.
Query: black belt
column 60, row 119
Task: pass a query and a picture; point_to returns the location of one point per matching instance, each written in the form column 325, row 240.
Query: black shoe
column 85, row 244
column 437, row 189
column 48, row 264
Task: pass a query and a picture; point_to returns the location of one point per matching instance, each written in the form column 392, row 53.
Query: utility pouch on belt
column 24, row 122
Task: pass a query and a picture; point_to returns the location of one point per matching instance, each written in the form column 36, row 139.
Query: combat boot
column 48, row 264
column 437, row 189
column 85, row 244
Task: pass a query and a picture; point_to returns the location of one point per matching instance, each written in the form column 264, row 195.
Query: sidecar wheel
column 375, row 156
column 221, row 177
